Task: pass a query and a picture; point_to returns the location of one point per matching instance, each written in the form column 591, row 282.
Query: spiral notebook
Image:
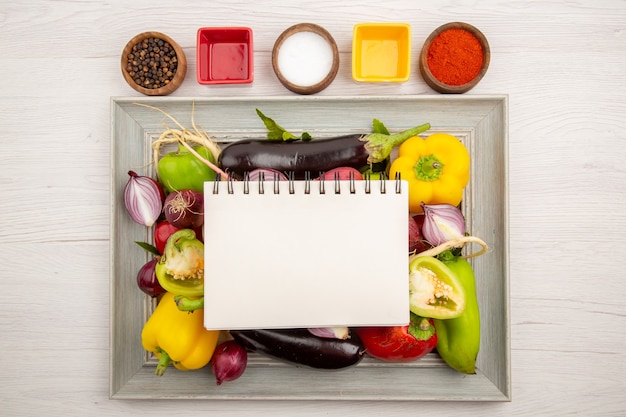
column 294, row 254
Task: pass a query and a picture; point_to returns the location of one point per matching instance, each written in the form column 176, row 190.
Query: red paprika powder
column 455, row 57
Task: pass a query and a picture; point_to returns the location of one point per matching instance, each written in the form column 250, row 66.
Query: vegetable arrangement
column 445, row 316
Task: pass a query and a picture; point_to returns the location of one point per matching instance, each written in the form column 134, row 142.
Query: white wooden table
column 563, row 65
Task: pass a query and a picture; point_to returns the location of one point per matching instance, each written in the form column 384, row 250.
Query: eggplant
column 294, row 156
column 301, row 348
column 313, row 156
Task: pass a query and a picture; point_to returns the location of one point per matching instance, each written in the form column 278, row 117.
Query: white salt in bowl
column 305, row 58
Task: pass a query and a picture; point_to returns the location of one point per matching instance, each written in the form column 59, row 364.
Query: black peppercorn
column 153, row 62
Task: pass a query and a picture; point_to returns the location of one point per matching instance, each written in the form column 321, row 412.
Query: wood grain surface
column 563, row 65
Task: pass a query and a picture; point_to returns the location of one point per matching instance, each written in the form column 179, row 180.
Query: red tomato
column 162, row 232
column 400, row 343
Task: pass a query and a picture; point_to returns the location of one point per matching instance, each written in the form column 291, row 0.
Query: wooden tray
column 481, row 122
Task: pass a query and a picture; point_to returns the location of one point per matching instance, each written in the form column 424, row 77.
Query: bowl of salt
column 305, row 58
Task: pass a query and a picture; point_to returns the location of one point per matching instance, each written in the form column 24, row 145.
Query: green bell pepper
column 182, row 170
column 434, row 290
column 459, row 338
column 180, row 270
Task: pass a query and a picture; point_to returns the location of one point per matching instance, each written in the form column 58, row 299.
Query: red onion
column 143, row 198
column 343, row 174
column 184, row 209
column 415, row 236
column 442, row 222
column 330, row 332
column 229, row 361
column 147, row 280
column 268, row 174
column 417, row 243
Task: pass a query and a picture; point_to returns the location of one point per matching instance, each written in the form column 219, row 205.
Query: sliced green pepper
column 182, row 170
column 459, row 338
column 180, row 270
column 434, row 290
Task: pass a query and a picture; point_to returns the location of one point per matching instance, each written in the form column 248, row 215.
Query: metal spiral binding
column 352, row 185
column 246, row 183
column 230, row 184
column 307, row 182
column 398, row 183
column 216, row 185
column 291, row 177
column 367, row 180
column 276, row 184
column 261, row 183
column 383, row 183
column 368, row 183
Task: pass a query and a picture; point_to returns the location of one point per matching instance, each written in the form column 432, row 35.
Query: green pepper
column 182, row 170
column 434, row 290
column 459, row 338
column 180, row 270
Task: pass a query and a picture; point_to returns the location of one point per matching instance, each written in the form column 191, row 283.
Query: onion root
column 454, row 243
column 185, row 136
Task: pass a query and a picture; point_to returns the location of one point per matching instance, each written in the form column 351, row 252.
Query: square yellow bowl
column 381, row 52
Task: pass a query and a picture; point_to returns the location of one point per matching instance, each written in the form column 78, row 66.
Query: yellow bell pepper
column 178, row 337
column 437, row 169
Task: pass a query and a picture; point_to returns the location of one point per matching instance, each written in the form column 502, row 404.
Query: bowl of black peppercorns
column 153, row 64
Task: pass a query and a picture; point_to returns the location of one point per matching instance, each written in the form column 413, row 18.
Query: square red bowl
column 224, row 55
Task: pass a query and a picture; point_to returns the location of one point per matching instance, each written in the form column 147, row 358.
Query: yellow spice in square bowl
column 381, row 52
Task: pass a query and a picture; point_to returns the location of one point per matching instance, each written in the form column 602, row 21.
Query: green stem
column 164, row 361
column 447, row 256
column 428, row 168
column 379, row 145
column 420, row 327
column 186, row 304
column 182, row 150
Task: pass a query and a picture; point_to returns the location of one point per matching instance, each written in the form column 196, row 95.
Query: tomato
column 162, row 232
column 399, row 343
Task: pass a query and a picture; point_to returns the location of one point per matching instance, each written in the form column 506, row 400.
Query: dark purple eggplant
column 314, row 156
column 294, row 156
column 301, row 348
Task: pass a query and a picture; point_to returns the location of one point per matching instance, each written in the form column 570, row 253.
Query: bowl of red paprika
column 454, row 58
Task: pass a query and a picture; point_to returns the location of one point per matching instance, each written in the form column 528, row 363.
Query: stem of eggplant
column 379, row 145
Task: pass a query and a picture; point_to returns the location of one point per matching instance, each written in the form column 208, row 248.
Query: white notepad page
column 293, row 260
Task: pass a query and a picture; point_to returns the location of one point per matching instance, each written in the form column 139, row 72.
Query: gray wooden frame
column 480, row 121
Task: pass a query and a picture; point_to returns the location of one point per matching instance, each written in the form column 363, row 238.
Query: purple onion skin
column 184, row 209
column 229, row 361
column 414, row 234
column 147, row 280
column 442, row 222
column 417, row 243
column 267, row 174
column 330, row 332
column 143, row 199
